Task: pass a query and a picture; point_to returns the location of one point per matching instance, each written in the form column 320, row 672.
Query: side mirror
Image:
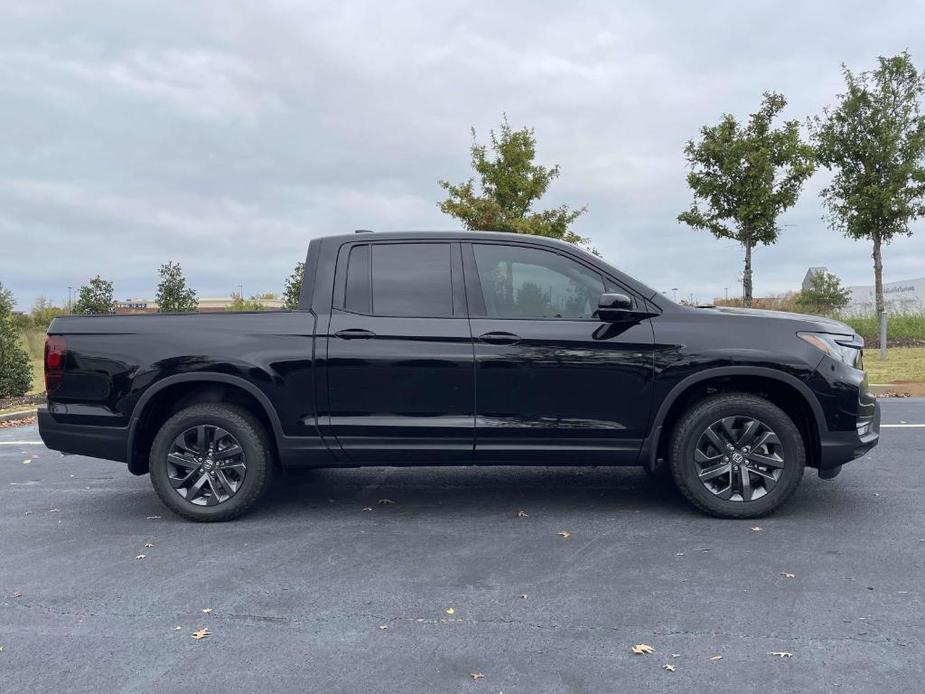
column 613, row 307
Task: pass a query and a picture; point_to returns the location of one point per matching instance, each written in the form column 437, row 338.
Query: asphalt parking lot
column 328, row 587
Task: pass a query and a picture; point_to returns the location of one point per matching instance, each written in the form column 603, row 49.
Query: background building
column 206, row 305
column 905, row 296
column 812, row 272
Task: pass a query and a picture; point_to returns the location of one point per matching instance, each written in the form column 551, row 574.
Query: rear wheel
column 211, row 462
column 736, row 455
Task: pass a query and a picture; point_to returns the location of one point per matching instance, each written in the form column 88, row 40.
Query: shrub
column 15, row 368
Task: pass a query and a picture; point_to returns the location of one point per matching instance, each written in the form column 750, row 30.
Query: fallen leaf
column 27, row 461
column 450, row 610
column 29, row 513
column 679, row 554
column 565, row 534
column 140, row 556
column 178, row 628
column 669, row 667
column 785, row 574
column 367, row 508
column 477, row 676
column 642, row 649
column 152, row 517
column 781, row 654
column 386, row 501
column 206, row 610
column 383, row 627
column 716, row 657
column 54, row 510
column 522, row 514
column 201, row 633
column 756, row 529
column 148, row 545
column 523, row 596
column 675, row 655
column 17, row 594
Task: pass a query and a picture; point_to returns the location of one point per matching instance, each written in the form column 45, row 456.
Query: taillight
column 55, row 354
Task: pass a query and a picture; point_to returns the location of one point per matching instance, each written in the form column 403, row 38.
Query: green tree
column 173, row 296
column 744, row 176
column 293, row 288
column 95, row 297
column 15, row 368
column 509, row 185
column 239, row 304
column 43, row 311
column 825, row 294
column 874, row 141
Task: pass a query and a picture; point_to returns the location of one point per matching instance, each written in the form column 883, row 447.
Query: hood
column 818, row 323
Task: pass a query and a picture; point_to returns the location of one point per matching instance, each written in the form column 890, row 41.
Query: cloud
column 226, row 136
column 195, row 83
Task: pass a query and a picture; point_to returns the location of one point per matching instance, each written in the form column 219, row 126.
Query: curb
column 911, row 389
column 21, row 414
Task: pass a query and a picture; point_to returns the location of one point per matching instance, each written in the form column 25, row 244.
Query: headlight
column 844, row 348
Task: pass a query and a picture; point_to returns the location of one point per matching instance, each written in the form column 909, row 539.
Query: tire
column 246, row 471
column 701, row 475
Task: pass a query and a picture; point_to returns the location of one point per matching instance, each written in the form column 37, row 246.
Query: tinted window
column 531, row 283
column 356, row 296
column 412, row 279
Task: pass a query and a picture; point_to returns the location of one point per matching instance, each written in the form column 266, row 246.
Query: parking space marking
column 902, row 426
column 22, row 443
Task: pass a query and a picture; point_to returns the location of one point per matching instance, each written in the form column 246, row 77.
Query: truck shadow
column 508, row 489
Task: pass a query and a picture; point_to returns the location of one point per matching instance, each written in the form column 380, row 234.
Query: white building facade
column 905, row 296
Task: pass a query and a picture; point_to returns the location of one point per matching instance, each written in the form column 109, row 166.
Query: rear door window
column 411, row 279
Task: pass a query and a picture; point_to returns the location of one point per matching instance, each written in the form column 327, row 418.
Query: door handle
column 500, row 338
column 355, row 334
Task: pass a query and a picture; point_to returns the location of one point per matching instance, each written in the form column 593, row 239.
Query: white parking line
column 22, row 443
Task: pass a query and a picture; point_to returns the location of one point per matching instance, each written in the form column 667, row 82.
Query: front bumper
column 95, row 441
column 839, row 447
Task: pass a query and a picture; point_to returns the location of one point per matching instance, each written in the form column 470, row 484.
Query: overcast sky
column 225, row 136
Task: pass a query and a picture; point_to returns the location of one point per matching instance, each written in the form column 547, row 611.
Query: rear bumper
column 839, row 447
column 110, row 443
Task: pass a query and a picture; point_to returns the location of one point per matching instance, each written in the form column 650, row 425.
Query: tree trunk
column 747, row 276
column 878, row 276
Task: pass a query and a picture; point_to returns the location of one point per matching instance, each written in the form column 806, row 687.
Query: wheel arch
column 173, row 393
column 784, row 390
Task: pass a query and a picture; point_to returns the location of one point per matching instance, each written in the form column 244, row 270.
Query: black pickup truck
column 461, row 348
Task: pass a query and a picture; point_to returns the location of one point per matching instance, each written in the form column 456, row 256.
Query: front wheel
column 736, row 455
column 211, row 462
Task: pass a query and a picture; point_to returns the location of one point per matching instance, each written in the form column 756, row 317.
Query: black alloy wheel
column 736, row 455
column 206, row 465
column 739, row 458
column 211, row 461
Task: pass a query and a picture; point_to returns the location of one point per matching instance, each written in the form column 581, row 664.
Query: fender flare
column 203, row 377
column 650, row 447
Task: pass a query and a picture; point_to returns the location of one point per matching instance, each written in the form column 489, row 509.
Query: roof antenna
column 363, row 231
